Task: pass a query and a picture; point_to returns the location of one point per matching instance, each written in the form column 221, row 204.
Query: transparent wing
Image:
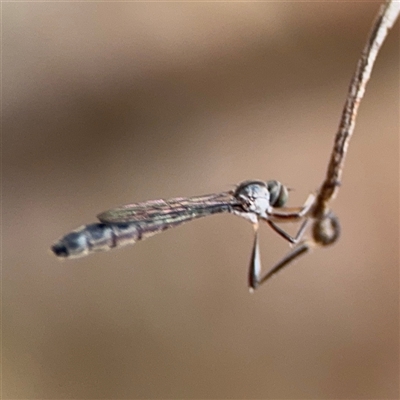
column 170, row 212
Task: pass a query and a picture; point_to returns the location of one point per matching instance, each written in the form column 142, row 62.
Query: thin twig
column 326, row 228
column 385, row 19
column 325, row 224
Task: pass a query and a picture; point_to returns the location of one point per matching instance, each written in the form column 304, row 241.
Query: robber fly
column 253, row 200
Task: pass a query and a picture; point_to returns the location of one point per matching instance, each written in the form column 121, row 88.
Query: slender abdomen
column 96, row 237
column 102, row 236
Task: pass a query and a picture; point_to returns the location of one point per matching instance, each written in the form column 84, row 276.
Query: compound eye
column 278, row 192
column 283, row 197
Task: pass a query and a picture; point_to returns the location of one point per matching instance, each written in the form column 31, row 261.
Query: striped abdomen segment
column 103, row 236
column 96, row 237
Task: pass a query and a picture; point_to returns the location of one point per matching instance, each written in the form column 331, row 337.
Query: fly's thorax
column 254, row 196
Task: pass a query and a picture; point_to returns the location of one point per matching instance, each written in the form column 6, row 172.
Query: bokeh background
column 113, row 103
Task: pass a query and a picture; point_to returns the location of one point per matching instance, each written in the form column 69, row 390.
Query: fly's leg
column 299, row 250
column 255, row 262
column 292, row 215
column 255, row 278
column 254, row 275
column 325, row 231
column 288, row 237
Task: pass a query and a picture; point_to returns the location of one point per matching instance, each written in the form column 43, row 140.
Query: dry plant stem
column 326, row 228
column 385, row 19
column 325, row 224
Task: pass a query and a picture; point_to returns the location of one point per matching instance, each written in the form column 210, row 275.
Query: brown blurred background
column 113, row 103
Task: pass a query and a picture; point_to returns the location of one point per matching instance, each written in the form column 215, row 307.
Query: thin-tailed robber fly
column 253, row 200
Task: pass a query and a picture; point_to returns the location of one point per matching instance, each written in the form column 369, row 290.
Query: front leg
column 285, row 235
column 291, row 214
